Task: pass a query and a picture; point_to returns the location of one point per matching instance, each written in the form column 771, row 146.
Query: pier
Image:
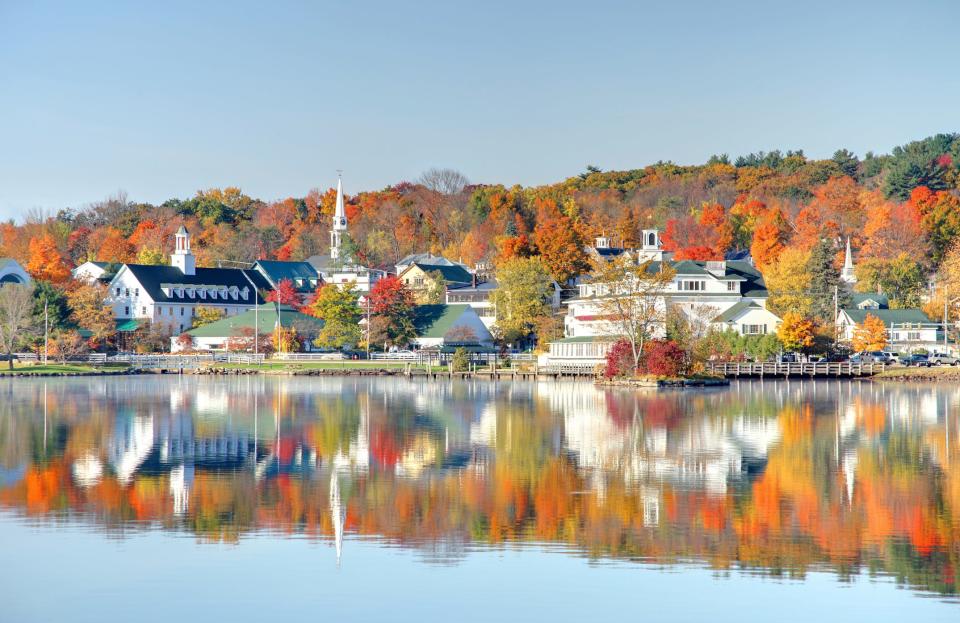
column 786, row 370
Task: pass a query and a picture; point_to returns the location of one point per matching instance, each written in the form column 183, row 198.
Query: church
column 340, row 267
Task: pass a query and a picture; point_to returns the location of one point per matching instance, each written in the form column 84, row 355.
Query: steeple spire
column 848, row 275
column 339, row 223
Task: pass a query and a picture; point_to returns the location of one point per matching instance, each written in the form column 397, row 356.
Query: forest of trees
column 901, row 212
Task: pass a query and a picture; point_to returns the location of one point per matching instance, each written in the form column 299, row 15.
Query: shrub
column 619, row 360
column 664, row 358
column 461, row 360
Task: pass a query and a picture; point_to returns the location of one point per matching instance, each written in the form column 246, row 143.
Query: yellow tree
column 870, row 335
column 788, row 280
column 91, row 311
column 796, row 332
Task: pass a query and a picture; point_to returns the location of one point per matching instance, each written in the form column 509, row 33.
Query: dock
column 787, row 370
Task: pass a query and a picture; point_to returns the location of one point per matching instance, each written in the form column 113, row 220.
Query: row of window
column 754, row 329
column 701, row 286
column 233, row 292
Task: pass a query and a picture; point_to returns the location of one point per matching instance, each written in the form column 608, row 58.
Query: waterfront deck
column 834, row 370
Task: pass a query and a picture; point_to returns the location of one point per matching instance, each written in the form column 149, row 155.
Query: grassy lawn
column 52, row 368
column 934, row 373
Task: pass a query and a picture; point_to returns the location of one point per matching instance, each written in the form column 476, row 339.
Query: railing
column 309, row 356
column 796, row 369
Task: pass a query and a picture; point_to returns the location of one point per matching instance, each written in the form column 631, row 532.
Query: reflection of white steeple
column 848, row 275
column 181, row 479
column 849, row 471
column 338, row 513
column 130, row 446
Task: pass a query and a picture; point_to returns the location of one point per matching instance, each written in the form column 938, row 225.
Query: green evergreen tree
column 824, row 281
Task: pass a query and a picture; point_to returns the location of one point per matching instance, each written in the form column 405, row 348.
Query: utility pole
column 368, row 324
column 256, row 326
column 46, row 331
column 946, row 302
column 836, row 311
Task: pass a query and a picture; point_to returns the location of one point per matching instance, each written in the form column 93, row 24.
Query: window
column 136, row 291
column 126, row 291
column 754, row 329
column 118, row 291
column 143, row 310
column 126, row 311
column 732, row 286
column 181, row 311
column 913, row 336
column 692, row 286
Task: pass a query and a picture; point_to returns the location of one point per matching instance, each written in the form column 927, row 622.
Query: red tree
column 391, row 297
column 284, row 294
column 664, row 358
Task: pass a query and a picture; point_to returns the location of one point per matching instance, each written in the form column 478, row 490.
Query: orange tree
column 796, row 332
column 870, row 335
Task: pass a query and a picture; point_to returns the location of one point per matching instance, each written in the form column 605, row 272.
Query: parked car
column 892, row 356
column 921, row 361
column 943, row 359
column 873, row 356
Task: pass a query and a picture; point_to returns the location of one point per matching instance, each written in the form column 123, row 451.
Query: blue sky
column 162, row 99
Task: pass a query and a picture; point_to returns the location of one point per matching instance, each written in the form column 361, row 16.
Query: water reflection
column 775, row 478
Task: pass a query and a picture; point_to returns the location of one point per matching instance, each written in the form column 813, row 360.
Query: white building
column 89, row 272
column 908, row 330
column 12, row 272
column 171, row 294
column 723, row 294
column 338, row 267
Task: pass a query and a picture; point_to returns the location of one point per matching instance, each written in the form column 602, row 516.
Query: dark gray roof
column 451, row 274
column 301, row 274
column 152, row 277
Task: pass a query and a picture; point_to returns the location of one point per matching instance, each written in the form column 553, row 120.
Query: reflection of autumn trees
column 845, row 486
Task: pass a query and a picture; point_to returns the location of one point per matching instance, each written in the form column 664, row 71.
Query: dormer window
column 244, row 293
column 732, row 286
column 233, row 292
column 202, row 292
column 191, row 292
column 213, row 293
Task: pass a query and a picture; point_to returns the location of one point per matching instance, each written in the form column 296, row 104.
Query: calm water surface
column 177, row 499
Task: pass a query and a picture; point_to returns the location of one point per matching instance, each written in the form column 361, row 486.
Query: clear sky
column 160, row 99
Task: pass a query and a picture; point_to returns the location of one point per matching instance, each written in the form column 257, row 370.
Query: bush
column 461, row 360
column 664, row 358
column 619, row 360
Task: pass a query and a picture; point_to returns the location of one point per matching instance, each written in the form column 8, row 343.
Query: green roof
column 734, row 312
column 265, row 315
column 128, row 324
column 433, row 321
column 689, row 267
column 859, row 298
column 889, row 316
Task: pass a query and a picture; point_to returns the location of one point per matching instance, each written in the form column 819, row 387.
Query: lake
column 161, row 498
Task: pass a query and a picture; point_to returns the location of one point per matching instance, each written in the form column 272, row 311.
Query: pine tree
column 824, row 281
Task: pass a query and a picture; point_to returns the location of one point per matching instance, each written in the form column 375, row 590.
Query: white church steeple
column 848, row 275
column 339, row 224
column 183, row 257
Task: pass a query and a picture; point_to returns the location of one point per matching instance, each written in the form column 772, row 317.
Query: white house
column 338, row 267
column 171, row 294
column 12, row 272
column 908, row 330
column 723, row 294
column 444, row 325
column 89, row 272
